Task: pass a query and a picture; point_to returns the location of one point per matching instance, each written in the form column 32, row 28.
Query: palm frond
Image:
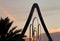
column 5, row 25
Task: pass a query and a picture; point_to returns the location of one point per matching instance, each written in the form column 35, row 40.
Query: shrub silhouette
column 5, row 25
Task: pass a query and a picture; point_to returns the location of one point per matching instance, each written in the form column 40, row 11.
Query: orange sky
column 54, row 30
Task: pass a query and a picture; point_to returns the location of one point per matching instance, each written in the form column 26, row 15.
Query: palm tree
column 5, row 25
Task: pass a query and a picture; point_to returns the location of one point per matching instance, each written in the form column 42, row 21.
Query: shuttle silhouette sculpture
column 35, row 6
column 34, row 31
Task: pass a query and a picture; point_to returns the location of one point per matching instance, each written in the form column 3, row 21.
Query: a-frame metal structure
column 35, row 5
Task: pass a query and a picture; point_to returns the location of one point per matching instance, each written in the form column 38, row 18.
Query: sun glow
column 54, row 30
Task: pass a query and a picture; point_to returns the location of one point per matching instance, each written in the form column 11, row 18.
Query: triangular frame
column 35, row 5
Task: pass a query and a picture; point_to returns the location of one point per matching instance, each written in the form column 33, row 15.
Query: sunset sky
column 18, row 11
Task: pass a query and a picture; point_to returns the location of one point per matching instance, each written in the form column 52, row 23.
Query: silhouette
column 14, row 36
column 5, row 25
column 35, row 5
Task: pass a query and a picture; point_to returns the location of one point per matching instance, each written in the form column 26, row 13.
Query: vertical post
column 33, row 32
column 38, row 30
column 30, row 32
